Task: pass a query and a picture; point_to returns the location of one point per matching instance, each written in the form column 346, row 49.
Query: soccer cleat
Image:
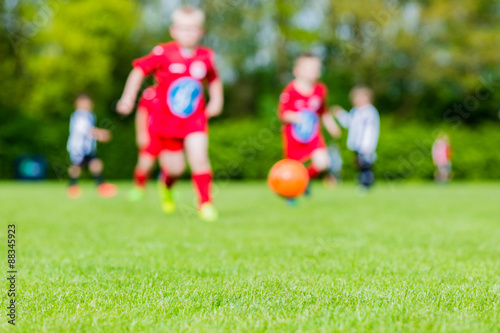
column 74, row 192
column 208, row 213
column 107, row 190
column 292, row 202
column 136, row 194
column 166, row 198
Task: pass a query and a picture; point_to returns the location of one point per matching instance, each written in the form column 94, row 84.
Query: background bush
column 422, row 58
column 246, row 148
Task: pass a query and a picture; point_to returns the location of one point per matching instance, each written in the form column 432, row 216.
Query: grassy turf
column 413, row 257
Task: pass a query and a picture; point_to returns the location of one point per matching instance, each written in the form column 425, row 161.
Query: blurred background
column 433, row 64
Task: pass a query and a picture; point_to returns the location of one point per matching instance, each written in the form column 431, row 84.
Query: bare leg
column 144, row 165
column 74, row 172
column 320, row 160
column 172, row 163
column 95, row 168
column 197, row 155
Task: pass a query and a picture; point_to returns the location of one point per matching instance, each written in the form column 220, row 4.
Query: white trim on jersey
column 363, row 124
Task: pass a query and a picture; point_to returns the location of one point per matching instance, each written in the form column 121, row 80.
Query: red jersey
column 149, row 100
column 149, row 103
column 180, row 91
column 300, row 140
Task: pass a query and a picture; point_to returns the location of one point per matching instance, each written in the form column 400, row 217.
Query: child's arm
column 81, row 126
column 327, row 118
column 216, row 98
column 141, row 128
column 101, row 134
column 284, row 114
column 290, row 117
column 126, row 103
column 343, row 117
column 330, row 125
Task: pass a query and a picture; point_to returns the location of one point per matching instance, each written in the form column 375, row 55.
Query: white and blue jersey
column 81, row 143
column 363, row 124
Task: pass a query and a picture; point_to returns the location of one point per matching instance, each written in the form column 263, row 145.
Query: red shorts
column 159, row 144
column 301, row 151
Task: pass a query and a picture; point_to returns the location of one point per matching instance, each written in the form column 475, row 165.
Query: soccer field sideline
column 406, row 257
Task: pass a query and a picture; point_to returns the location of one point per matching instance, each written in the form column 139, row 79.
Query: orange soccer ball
column 288, row 178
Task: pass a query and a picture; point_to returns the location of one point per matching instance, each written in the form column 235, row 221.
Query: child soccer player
column 441, row 156
column 148, row 103
column 181, row 68
column 82, row 148
column 363, row 123
column 303, row 103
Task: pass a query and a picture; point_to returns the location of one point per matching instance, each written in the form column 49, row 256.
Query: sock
column 73, row 181
column 140, row 178
column 313, row 172
column 202, row 183
column 99, row 179
column 169, row 180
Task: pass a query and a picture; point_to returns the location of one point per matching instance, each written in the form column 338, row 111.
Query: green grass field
column 410, row 257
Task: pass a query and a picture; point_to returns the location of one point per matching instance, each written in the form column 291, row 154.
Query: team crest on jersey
column 183, row 97
column 198, row 70
column 308, row 128
column 177, row 68
column 314, row 103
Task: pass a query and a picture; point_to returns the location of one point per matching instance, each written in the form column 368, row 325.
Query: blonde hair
column 361, row 90
column 83, row 96
column 191, row 11
column 306, row 55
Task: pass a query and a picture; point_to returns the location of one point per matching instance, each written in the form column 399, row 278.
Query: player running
column 82, row 148
column 302, row 108
column 147, row 155
column 181, row 68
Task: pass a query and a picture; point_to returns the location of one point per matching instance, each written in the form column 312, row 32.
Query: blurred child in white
column 363, row 124
column 82, row 148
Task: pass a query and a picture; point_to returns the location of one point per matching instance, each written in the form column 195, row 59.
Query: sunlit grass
column 404, row 258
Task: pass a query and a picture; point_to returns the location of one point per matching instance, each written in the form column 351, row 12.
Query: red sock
column 140, row 178
column 167, row 179
column 170, row 181
column 202, row 183
column 313, row 172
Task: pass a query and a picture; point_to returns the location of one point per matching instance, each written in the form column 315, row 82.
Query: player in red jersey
column 302, row 108
column 148, row 153
column 181, row 68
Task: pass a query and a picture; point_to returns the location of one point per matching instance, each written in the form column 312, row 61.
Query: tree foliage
column 434, row 60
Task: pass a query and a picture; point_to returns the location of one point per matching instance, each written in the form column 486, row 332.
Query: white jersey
column 81, row 143
column 363, row 124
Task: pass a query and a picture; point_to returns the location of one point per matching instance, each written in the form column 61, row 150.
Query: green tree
column 80, row 47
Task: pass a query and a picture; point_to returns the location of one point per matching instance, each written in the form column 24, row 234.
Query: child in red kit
column 441, row 156
column 179, row 125
column 147, row 153
column 302, row 109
